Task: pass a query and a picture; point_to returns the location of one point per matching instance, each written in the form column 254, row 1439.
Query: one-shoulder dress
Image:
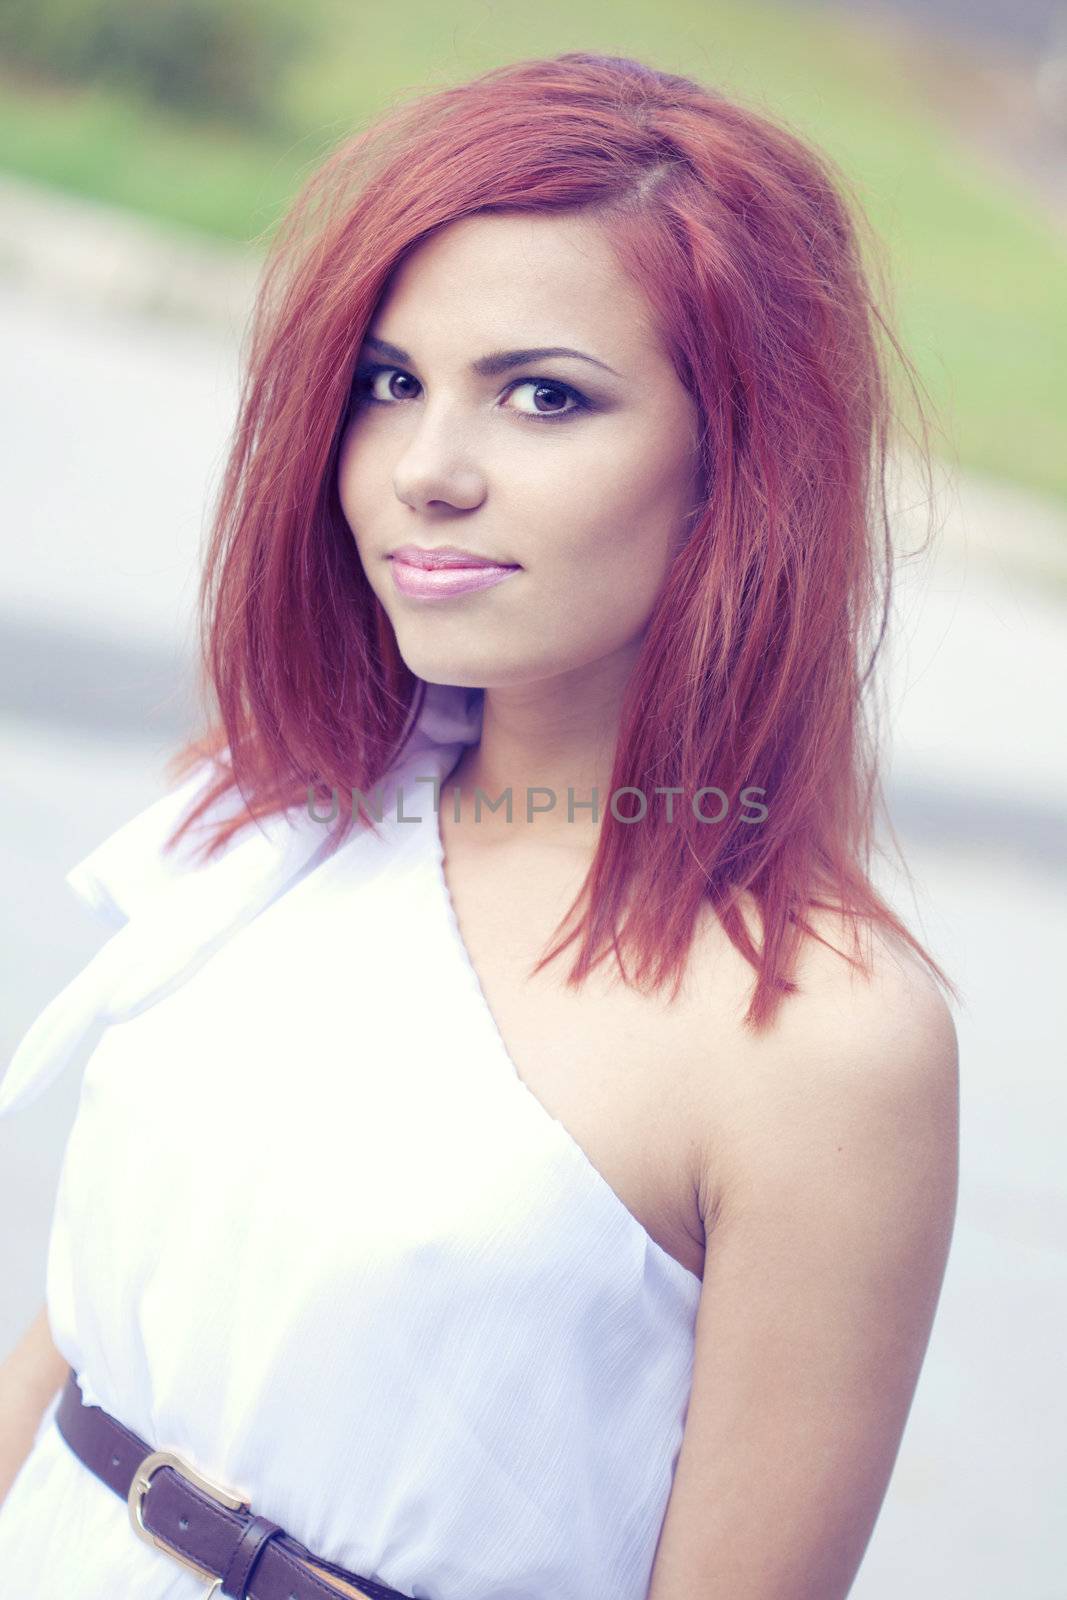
column 315, row 1233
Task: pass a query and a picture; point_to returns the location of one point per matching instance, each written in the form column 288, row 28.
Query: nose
column 436, row 469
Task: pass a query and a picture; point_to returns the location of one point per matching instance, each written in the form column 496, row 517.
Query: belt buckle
column 139, row 1488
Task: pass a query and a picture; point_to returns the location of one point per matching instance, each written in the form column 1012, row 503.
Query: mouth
column 446, row 556
column 436, row 575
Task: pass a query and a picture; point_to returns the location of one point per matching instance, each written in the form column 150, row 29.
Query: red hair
column 752, row 670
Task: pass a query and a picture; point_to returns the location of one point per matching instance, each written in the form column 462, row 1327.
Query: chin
column 436, row 667
column 454, row 678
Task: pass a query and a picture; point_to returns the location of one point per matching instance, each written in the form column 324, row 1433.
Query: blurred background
column 146, row 154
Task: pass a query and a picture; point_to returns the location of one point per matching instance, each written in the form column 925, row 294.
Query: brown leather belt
column 204, row 1526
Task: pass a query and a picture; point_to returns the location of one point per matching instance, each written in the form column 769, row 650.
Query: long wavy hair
column 756, row 667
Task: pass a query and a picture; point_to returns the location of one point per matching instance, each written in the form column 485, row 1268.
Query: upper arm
column 40, row 1365
column 30, row 1376
column 825, row 1258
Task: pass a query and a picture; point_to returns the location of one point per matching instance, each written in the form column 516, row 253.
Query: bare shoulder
column 883, row 1027
column 831, row 1190
column 861, row 1050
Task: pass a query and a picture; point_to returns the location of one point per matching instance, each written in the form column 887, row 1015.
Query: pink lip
column 445, row 555
column 438, row 583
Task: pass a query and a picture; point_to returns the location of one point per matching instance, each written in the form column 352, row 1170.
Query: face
column 577, row 471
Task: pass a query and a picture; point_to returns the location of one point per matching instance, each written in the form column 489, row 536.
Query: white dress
column 315, row 1233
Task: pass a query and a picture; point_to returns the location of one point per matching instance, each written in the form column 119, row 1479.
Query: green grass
column 104, row 145
column 978, row 273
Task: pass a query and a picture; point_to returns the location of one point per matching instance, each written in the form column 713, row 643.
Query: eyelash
column 365, row 377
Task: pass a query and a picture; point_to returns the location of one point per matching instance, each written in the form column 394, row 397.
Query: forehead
column 521, row 279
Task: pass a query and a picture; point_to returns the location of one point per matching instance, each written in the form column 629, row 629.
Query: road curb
column 52, row 243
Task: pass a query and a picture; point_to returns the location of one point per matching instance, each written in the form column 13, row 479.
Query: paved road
column 114, row 430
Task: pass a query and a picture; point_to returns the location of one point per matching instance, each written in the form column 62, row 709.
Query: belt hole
column 115, row 1461
column 183, row 1523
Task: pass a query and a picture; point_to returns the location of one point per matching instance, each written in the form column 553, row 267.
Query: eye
column 366, row 382
column 553, row 387
column 366, row 389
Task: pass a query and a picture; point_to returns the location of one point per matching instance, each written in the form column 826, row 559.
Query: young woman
column 517, row 1150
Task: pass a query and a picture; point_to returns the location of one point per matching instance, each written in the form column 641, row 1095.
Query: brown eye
column 402, row 378
column 551, row 392
column 367, row 390
column 368, row 383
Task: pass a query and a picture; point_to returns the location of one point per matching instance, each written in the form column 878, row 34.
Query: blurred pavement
column 117, row 418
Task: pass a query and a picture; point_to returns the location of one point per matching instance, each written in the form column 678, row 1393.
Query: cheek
column 626, row 508
column 359, row 497
column 612, row 544
column 351, row 479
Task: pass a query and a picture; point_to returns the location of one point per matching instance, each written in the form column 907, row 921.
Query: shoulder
column 858, row 1060
column 881, row 1028
column 831, row 1188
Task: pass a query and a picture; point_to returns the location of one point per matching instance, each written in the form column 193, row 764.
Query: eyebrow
column 500, row 361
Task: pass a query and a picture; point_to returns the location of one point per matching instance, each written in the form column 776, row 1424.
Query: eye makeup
column 368, row 372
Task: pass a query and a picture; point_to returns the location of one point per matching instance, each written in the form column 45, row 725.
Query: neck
column 551, row 743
